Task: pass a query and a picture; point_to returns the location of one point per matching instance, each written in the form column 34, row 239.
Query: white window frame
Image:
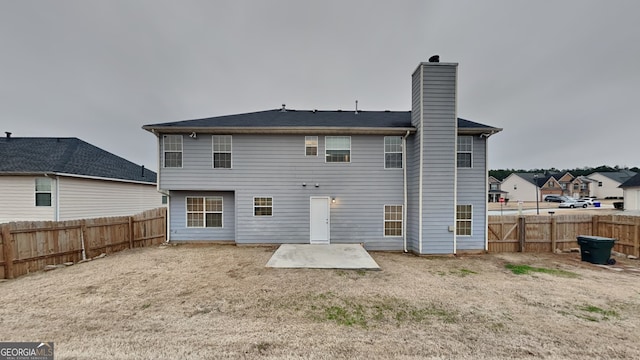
column 308, row 145
column 389, row 221
column 204, row 212
column 464, row 151
column 401, row 152
column 40, row 191
column 459, row 220
column 214, row 152
column 255, row 207
column 165, row 151
column 327, row 149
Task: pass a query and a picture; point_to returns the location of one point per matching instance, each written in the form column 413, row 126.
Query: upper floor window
column 463, row 219
column 204, row 211
column 338, row 148
column 494, row 187
column 311, row 146
column 221, row 145
column 393, row 152
column 464, row 151
column 262, row 206
column 172, row 148
column 43, row 191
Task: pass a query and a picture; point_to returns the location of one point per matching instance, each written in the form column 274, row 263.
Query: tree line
column 501, row 174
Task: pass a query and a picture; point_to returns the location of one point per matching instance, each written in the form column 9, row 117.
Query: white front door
column 319, row 220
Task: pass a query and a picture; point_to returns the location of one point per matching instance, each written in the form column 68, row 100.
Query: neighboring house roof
column 632, row 182
column 534, row 179
column 304, row 120
column 618, row 176
column 71, row 156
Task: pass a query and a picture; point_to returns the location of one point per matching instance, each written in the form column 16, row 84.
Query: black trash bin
column 596, row 249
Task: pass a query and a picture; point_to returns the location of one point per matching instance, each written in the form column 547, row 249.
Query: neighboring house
column 548, row 185
column 631, row 193
column 566, row 182
column 522, row 186
column 66, row 178
column 606, row 185
column 393, row 180
column 495, row 190
column 581, row 186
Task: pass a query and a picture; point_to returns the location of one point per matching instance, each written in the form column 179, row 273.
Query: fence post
column 636, row 239
column 522, row 233
column 85, row 241
column 130, row 232
column 553, row 233
column 594, row 225
column 7, row 251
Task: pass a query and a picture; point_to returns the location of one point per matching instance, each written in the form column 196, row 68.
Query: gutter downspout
column 57, row 209
column 404, row 190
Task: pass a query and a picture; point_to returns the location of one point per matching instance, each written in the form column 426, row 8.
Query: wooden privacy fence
column 30, row 246
column 533, row 233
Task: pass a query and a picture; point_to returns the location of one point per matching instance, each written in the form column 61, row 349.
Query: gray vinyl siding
column 439, row 129
column 276, row 166
column 178, row 217
column 471, row 191
column 413, row 167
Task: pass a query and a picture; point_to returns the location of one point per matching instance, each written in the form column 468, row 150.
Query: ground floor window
column 463, row 219
column 262, row 206
column 204, row 211
column 393, row 220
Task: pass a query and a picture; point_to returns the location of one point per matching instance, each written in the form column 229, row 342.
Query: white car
column 573, row 203
column 588, row 199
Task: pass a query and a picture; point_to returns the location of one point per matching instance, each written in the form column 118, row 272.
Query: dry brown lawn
column 210, row 302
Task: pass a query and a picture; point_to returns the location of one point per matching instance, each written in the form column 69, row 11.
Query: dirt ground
column 211, row 302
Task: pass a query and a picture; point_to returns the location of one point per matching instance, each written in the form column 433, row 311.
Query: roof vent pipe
column 284, row 109
column 356, row 106
column 142, row 170
column 8, row 134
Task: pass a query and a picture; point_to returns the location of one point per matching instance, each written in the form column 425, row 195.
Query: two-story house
column 391, row 180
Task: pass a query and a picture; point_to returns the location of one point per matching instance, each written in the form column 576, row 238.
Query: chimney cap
column 434, row 59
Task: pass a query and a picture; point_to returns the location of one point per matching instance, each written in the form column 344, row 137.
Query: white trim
column 405, row 195
column 486, row 193
column 254, row 206
column 455, row 169
column 384, row 221
column 301, row 130
column 107, row 179
column 384, row 152
column 458, row 151
column 213, row 152
column 455, row 228
column 420, row 168
column 326, row 149
column 317, row 145
column 164, row 151
column 204, row 212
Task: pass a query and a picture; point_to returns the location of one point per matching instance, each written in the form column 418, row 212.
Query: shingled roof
column 72, row 156
column 632, row 182
column 287, row 119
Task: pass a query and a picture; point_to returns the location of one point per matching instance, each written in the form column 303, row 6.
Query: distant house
column 391, row 180
column 526, row 186
column 66, row 178
column 631, row 193
column 495, row 190
column 606, row 185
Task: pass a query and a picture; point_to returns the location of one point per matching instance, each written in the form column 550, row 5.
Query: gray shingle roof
column 618, row 176
column 66, row 155
column 309, row 119
column 632, row 182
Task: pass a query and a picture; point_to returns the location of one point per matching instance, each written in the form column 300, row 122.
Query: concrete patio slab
column 333, row 256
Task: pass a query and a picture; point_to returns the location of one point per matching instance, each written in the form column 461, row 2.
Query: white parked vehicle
column 574, row 203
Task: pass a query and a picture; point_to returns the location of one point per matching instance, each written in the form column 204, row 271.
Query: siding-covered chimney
column 434, row 115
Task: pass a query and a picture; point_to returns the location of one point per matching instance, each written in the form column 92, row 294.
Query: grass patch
column 526, row 269
column 594, row 311
column 368, row 312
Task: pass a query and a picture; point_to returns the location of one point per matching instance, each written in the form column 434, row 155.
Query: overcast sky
column 561, row 77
